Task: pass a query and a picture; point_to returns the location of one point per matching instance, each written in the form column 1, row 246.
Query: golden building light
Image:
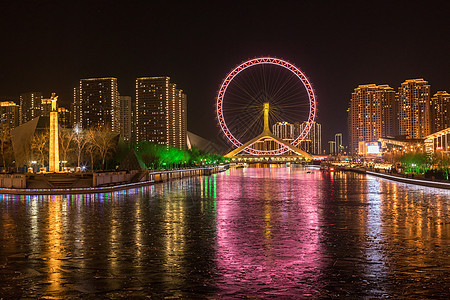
column 98, row 101
column 9, row 114
column 160, row 112
column 440, row 111
column 414, row 108
column 371, row 114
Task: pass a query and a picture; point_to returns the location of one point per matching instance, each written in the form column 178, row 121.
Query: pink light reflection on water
column 271, row 245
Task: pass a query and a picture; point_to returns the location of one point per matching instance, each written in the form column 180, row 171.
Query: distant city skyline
column 203, row 41
column 390, row 112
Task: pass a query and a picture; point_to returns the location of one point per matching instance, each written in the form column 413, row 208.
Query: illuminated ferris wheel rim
column 258, row 61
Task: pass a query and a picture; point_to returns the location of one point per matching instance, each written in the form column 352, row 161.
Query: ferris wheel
column 249, row 90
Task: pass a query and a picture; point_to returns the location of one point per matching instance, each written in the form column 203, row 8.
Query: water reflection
column 53, row 233
column 174, row 233
column 268, row 232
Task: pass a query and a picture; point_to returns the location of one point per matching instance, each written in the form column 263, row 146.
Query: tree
column 66, row 138
column 168, row 157
column 103, row 140
column 39, row 145
column 441, row 160
column 415, row 162
column 91, row 147
column 80, row 140
column 148, row 153
column 5, row 139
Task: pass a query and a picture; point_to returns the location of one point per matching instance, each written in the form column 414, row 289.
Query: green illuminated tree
column 441, row 161
column 416, row 162
column 161, row 156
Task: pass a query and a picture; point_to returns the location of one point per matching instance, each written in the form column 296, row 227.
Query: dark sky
column 48, row 46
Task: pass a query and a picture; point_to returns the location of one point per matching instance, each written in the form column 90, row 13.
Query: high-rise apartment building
column 30, row 106
column 332, row 146
column 64, row 117
column 96, row 103
column 440, row 111
column 76, row 108
column 338, row 143
column 182, row 114
column 371, row 114
column 9, row 114
column 160, row 112
column 125, row 117
column 46, row 107
column 414, row 108
column 284, row 131
column 313, row 140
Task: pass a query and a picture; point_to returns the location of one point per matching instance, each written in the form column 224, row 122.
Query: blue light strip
column 413, row 181
column 95, row 189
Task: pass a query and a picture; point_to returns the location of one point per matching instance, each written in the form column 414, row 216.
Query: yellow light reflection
column 175, row 240
column 53, row 240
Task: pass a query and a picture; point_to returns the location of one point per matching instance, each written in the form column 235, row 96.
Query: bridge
column 298, row 155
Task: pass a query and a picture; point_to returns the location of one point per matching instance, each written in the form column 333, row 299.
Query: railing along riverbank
column 404, row 178
column 97, row 182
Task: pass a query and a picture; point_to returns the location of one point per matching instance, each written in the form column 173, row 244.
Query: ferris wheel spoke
column 245, row 91
column 282, row 85
column 249, row 125
column 276, row 74
column 289, row 93
column 263, row 73
column 244, row 100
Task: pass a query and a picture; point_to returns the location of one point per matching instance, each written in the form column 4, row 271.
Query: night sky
column 48, row 46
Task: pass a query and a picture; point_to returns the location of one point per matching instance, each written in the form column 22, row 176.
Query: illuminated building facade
column 9, row 114
column 438, row 142
column 125, row 117
column 76, row 108
column 338, row 143
column 46, row 107
column 160, row 112
column 371, row 114
column 332, row 145
column 313, row 140
column 30, row 105
column 98, row 102
column 414, row 108
column 440, row 111
column 284, row 131
column 178, row 120
column 64, row 117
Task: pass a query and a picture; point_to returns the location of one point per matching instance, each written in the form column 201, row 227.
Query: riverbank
column 102, row 182
column 400, row 178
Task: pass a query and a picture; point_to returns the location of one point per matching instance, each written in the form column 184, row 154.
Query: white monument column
column 54, row 137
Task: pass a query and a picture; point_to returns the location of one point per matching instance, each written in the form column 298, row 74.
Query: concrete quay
column 400, row 178
column 97, row 182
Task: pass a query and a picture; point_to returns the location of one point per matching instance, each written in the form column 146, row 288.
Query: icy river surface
column 287, row 233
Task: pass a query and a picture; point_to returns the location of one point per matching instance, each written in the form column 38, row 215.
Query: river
column 265, row 232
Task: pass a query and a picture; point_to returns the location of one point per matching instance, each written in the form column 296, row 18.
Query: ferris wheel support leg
column 241, row 148
column 294, row 149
